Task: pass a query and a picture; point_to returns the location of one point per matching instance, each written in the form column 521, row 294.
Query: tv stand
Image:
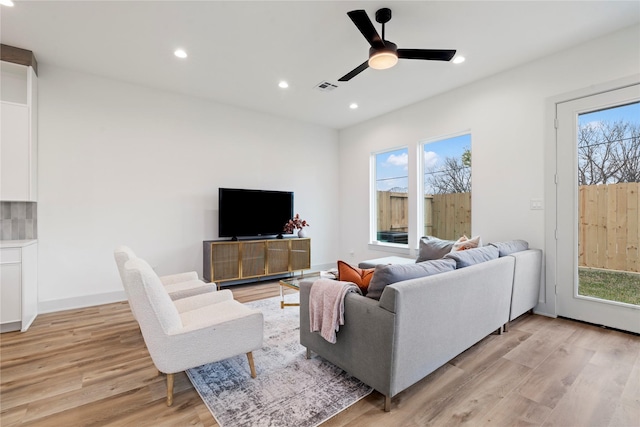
column 226, row 260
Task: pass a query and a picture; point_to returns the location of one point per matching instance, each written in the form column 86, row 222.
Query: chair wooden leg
column 251, row 365
column 169, row 389
column 308, row 353
column 387, row 404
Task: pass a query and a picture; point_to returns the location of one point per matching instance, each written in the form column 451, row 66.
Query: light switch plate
column 536, row 204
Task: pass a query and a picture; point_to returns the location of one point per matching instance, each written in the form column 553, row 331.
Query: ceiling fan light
column 383, row 57
column 383, row 60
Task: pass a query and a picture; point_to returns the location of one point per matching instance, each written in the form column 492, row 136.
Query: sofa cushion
column 511, row 246
column 359, row 276
column 388, row 274
column 473, row 256
column 433, row 248
column 464, row 243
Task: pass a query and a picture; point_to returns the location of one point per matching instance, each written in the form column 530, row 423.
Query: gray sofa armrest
column 364, row 344
column 526, row 281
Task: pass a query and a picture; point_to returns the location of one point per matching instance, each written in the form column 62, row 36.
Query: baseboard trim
column 10, row 327
column 542, row 313
column 52, row 306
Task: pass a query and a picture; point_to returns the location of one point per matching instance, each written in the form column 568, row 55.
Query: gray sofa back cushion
column 512, row 246
column 388, row 274
column 473, row 256
column 433, row 248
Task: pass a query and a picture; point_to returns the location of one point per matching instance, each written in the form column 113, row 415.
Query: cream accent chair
column 178, row 286
column 191, row 331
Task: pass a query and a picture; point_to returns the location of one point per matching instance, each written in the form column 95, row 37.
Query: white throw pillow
column 464, row 243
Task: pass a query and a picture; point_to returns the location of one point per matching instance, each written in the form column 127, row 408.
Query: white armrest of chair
column 207, row 339
column 232, row 321
column 188, row 289
column 177, row 278
column 202, row 300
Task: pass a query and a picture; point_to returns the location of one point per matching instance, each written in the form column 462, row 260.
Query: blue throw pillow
column 385, row 275
column 433, row 248
column 473, row 256
column 507, row 248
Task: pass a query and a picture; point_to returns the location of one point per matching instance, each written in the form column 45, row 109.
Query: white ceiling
column 240, row 50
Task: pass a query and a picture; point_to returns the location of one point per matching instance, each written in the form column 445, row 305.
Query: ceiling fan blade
column 362, row 21
column 429, row 54
column 351, row 74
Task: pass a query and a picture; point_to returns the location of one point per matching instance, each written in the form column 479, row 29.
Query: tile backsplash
column 19, row 220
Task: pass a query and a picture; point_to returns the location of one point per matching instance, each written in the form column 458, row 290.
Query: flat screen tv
column 253, row 213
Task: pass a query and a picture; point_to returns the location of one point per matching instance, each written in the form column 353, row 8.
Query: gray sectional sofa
column 420, row 324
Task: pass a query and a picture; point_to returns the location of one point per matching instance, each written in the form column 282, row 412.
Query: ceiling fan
column 384, row 54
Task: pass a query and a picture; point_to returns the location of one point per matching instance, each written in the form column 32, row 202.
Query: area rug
column 289, row 389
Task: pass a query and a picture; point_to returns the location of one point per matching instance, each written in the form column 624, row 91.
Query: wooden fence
column 608, row 231
column 447, row 216
column 393, row 211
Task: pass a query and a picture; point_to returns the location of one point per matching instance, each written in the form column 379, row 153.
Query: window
column 391, row 196
column 608, row 146
column 446, row 205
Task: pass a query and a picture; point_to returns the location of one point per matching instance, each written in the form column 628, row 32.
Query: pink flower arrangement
column 295, row 223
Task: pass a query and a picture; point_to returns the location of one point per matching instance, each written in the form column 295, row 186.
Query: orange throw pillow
column 359, row 276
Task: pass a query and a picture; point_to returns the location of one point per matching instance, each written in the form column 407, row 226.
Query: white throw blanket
column 326, row 306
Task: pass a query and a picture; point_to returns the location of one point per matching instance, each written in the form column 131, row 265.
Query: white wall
column 506, row 114
column 123, row 164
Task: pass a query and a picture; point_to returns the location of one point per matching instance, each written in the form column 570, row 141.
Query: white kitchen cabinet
column 18, row 284
column 18, row 132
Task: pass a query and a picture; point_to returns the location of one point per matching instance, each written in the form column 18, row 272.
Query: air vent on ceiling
column 325, row 86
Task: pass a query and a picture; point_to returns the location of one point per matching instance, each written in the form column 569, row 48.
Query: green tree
column 466, row 158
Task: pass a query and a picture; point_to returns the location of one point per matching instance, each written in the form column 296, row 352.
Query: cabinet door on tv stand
column 253, row 259
column 277, row 256
column 225, row 263
column 300, row 254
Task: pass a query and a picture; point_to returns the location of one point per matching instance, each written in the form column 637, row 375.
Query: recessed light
column 458, row 59
column 283, row 84
column 180, row 53
column 353, row 106
column 6, row 3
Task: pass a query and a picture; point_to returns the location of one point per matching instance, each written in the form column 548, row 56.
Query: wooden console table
column 244, row 259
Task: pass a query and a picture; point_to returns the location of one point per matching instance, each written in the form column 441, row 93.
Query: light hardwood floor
column 89, row 367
